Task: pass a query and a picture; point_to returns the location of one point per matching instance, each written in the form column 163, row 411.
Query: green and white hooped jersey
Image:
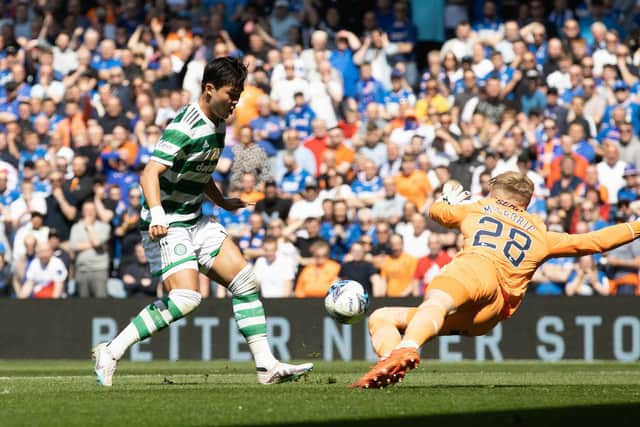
column 191, row 146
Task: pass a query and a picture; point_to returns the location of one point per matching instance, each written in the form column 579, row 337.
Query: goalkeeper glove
column 454, row 194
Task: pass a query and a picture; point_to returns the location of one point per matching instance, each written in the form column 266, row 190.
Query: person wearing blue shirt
column 552, row 276
column 532, row 98
column 340, row 232
column 117, row 173
column 292, row 182
column 400, row 93
column 7, row 196
column 402, row 30
column 268, row 127
column 580, row 144
column 368, row 184
column 227, row 219
column 501, row 71
column 341, row 58
column 300, row 116
column 629, row 191
column 368, row 89
column 10, row 102
column 489, row 22
column 32, row 150
column 251, row 242
column 623, row 100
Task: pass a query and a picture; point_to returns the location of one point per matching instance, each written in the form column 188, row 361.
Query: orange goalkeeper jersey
column 516, row 242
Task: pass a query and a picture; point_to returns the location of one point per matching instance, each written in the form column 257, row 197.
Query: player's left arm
column 605, row 239
column 212, row 191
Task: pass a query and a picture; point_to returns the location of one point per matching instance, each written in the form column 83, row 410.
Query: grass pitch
column 64, row 393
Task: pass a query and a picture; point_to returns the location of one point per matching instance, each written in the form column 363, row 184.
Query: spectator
column 303, row 156
column 611, row 169
column 413, row 184
column 622, row 264
column 317, row 144
column 629, row 145
column 326, row 93
column 250, row 242
column 268, row 127
column 88, row 241
column 340, row 232
column 316, row 278
column 552, row 276
column 300, row 116
column 294, row 178
column 274, row 272
column 282, row 93
column 397, row 270
column 20, row 209
column 80, row 186
column 416, row 236
column 586, row 279
column 136, row 275
column 45, row 276
column 249, row 192
column 430, row 265
column 127, row 230
column 390, row 207
column 568, row 181
column 308, row 206
column 374, row 148
column 281, row 21
column 368, row 186
column 356, row 267
column 368, row 88
column 248, row 157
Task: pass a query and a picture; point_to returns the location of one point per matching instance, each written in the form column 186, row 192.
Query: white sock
column 408, row 344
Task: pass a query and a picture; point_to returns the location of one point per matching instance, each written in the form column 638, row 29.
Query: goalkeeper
column 486, row 282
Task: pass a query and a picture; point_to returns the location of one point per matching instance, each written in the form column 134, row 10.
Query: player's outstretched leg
column 385, row 325
column 249, row 313
column 421, row 325
column 152, row 318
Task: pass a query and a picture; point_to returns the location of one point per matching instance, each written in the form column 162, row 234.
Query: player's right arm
column 150, row 182
column 605, row 239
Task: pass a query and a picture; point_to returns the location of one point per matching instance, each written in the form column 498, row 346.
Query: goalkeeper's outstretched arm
column 563, row 244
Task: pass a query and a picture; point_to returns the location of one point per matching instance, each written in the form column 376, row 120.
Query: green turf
column 47, row 393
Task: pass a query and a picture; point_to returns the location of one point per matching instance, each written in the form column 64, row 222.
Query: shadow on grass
column 582, row 416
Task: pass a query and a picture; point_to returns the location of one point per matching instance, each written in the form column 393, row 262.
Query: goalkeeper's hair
column 224, row 71
column 518, row 187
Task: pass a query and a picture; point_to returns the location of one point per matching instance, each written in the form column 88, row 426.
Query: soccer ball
column 347, row 301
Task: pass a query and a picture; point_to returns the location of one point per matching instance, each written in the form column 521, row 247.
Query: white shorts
column 194, row 247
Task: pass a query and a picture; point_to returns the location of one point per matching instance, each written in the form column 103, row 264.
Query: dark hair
column 224, row 71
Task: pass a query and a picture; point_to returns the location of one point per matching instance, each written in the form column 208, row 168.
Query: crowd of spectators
column 351, row 120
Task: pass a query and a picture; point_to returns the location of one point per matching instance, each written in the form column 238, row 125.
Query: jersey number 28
column 514, row 248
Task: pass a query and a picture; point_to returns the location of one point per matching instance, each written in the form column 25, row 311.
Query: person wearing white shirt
column 35, row 227
column 561, row 78
column 20, row 209
column 274, row 272
column 310, row 205
column 283, row 90
column 509, row 160
column 65, row 59
column 462, row 44
column 611, row 169
column 325, row 93
column 416, row 236
column 45, row 275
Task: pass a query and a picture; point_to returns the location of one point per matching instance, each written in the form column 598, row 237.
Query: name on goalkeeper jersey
column 515, row 217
